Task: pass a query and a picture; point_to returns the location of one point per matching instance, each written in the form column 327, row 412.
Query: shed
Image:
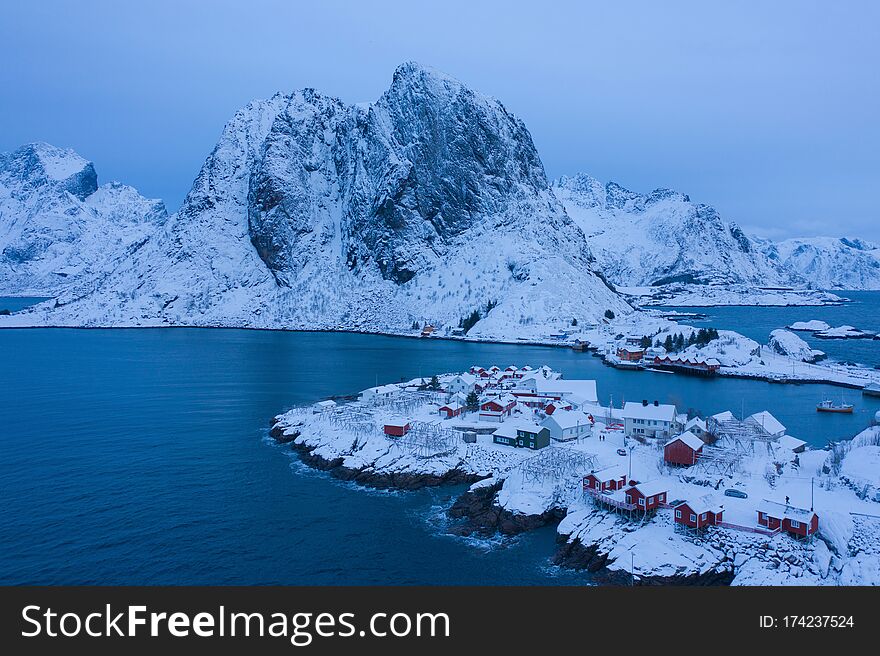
column 683, row 449
column 397, row 428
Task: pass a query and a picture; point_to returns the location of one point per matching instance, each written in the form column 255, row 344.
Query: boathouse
column 686, row 365
column 630, row 353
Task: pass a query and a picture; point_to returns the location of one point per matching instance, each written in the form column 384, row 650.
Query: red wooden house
column 798, row 522
column 683, row 449
column 497, row 408
column 610, row 478
column 451, row 410
column 397, row 428
column 699, row 514
column 647, row 496
column 630, row 353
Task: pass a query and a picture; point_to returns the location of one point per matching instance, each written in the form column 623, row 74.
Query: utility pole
column 811, row 494
column 632, row 569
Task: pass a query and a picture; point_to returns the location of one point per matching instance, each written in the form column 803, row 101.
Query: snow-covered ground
column 680, row 295
column 840, row 484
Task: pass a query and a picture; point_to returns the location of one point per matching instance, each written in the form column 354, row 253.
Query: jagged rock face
column 57, row 227
column 662, row 237
column 418, row 168
column 829, row 263
column 426, row 205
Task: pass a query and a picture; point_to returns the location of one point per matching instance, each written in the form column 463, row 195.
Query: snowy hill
column 309, row 213
column 58, row 228
column 829, row 263
column 663, row 238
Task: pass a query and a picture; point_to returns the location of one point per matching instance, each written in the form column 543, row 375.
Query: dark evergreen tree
column 472, row 402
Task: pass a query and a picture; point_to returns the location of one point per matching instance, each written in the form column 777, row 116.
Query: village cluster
column 537, row 409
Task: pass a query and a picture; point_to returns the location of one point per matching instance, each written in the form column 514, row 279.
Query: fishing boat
column 871, row 390
column 830, row 406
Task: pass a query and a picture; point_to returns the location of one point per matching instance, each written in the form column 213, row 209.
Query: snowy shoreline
column 347, row 441
column 830, row 373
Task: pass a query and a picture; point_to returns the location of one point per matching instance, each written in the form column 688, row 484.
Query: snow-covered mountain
column 426, row 205
column 58, row 228
column 662, row 237
column 828, row 262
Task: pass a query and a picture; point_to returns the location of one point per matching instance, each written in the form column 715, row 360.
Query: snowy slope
column 58, row 229
column 309, row 213
column 829, row 263
column 662, row 237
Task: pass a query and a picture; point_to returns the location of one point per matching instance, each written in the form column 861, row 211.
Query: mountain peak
column 37, row 163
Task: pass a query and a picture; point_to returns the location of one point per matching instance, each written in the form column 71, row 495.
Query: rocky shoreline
column 380, row 480
column 573, row 554
column 477, row 513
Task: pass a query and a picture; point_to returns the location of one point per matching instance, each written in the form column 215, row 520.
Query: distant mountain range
column 429, row 205
column 663, row 237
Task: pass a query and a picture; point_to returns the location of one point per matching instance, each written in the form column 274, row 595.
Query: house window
column 678, row 514
column 703, row 516
column 693, row 517
column 762, row 517
column 629, row 498
column 795, row 524
column 641, row 502
column 662, row 497
column 532, row 444
column 650, row 499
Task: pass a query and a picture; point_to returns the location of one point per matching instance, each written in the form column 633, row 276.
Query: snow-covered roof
column 792, row 443
column 568, row 419
column 662, row 412
column 651, row 488
column 329, row 403
column 585, row 389
column 707, row 503
column 507, row 429
column 383, row 389
column 727, row 415
column 696, row 421
column 609, row 473
column 781, row 510
column 399, row 423
column 528, row 427
column 468, row 379
column 768, row 422
column 688, row 438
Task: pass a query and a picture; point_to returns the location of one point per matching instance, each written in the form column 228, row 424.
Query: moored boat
column 830, row 406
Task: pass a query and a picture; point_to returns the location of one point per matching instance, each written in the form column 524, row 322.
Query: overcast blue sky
column 768, row 111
